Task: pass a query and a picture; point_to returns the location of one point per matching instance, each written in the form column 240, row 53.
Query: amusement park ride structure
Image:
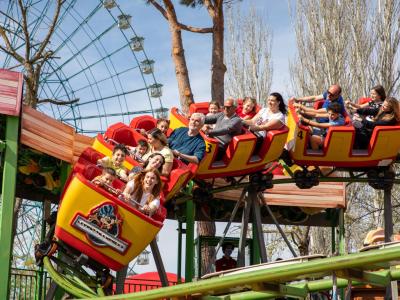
column 252, row 176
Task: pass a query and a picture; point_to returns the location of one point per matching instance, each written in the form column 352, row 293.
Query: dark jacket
column 225, row 128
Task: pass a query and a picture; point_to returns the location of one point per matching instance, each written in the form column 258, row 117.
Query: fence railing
column 143, row 285
column 25, row 284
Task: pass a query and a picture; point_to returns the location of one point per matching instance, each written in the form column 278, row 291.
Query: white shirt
column 155, row 204
column 265, row 115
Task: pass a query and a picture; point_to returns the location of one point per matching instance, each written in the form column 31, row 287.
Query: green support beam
column 7, row 203
column 255, row 250
column 342, row 242
column 189, row 255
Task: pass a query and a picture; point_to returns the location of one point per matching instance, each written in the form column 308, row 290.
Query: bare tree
column 33, row 56
column 322, row 43
column 248, row 55
column 387, row 24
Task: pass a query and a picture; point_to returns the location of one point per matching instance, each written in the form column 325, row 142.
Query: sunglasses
column 227, row 107
column 332, row 94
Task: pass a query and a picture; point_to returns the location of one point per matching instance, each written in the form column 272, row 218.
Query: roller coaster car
column 96, row 222
column 240, row 157
column 145, row 122
column 338, row 149
column 121, row 133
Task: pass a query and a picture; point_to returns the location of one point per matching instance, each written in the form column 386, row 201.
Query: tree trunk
column 178, row 56
column 207, row 252
column 218, row 67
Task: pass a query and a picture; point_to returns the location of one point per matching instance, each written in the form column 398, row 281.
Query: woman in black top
column 387, row 114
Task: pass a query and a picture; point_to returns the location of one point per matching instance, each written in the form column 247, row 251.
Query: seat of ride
column 338, row 145
column 120, row 133
column 93, row 220
column 145, row 122
column 89, row 171
column 239, row 158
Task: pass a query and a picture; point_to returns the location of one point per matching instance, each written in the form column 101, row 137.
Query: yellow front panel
column 79, row 198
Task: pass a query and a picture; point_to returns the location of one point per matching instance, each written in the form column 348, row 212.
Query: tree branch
column 24, row 25
column 195, row 29
column 180, row 25
column 210, row 8
column 9, row 49
column 58, row 102
column 159, row 8
column 50, row 32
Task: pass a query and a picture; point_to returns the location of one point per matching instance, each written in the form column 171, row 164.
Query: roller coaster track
column 267, row 281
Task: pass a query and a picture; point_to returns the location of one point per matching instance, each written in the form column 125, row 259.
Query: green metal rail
column 371, row 267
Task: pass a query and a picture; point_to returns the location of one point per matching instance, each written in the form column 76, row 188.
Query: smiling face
column 213, row 109
column 153, row 141
column 272, row 103
column 163, row 126
column 118, row 157
column 142, row 149
column 229, row 108
column 248, row 106
column 195, row 123
column 149, row 181
column 375, row 96
column 387, row 107
column 155, row 162
column 107, row 178
column 333, row 92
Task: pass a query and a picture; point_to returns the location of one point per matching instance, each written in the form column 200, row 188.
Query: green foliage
column 192, row 3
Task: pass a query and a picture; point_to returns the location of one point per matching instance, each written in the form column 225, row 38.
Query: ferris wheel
column 98, row 67
column 98, row 62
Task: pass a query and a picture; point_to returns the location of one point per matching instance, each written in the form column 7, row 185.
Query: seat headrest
column 375, row 236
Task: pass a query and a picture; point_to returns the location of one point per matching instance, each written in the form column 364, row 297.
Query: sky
column 149, row 23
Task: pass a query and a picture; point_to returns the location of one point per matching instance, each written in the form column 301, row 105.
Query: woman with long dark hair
column 158, row 144
column 270, row 117
column 388, row 114
column 144, row 191
column 154, row 161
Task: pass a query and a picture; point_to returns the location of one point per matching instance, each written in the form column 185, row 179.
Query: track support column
column 159, row 263
column 243, row 232
column 391, row 290
column 189, row 261
column 7, row 203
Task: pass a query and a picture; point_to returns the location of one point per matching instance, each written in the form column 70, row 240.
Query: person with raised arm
column 333, row 94
column 116, row 161
column 227, row 125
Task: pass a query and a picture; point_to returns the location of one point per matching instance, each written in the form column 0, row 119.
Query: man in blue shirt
column 332, row 95
column 187, row 143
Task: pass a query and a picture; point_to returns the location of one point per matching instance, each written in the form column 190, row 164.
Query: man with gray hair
column 227, row 125
column 186, row 143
